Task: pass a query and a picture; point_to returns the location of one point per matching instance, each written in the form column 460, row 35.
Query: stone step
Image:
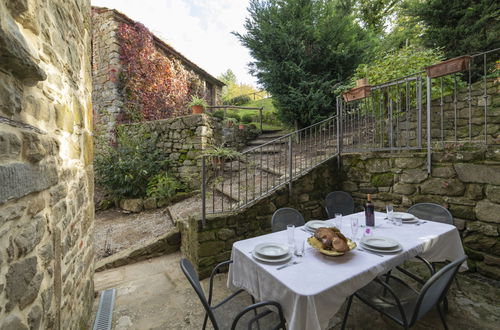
column 271, row 135
column 267, row 149
column 259, row 141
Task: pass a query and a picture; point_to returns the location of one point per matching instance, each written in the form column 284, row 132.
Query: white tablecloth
column 314, row 290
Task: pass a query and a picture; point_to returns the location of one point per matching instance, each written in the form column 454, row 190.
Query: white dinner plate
column 380, row 242
column 287, row 257
column 411, row 221
column 393, row 250
column 315, row 224
column 271, row 250
column 404, row 216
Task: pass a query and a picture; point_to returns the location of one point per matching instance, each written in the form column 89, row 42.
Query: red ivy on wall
column 155, row 86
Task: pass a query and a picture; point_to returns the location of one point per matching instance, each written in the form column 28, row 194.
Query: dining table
column 312, row 289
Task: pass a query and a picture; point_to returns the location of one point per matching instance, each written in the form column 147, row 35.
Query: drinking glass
column 354, row 227
column 398, row 221
column 290, row 229
column 299, row 247
column 338, row 220
column 389, row 208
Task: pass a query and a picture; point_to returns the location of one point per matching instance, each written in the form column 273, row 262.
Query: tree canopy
column 301, row 50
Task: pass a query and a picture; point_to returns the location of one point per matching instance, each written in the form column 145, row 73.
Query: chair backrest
column 435, row 289
column 432, row 212
column 286, row 216
column 339, row 202
column 192, row 276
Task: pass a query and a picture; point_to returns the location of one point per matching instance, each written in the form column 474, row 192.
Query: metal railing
column 415, row 112
column 233, row 184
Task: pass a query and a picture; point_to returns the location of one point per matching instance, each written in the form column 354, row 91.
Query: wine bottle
column 369, row 212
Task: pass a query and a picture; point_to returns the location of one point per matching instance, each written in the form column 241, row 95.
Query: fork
column 288, row 264
column 420, row 223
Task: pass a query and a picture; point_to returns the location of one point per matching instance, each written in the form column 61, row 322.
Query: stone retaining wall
column 164, row 244
column 206, row 247
column 182, row 139
column 46, row 172
column 236, row 138
column 467, row 182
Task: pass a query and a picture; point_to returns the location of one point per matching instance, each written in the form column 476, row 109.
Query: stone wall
column 207, row 246
column 106, row 68
column 182, row 139
column 467, row 182
column 107, row 100
column 236, row 138
column 46, row 177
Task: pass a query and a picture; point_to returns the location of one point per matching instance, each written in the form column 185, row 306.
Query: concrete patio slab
column 154, row 294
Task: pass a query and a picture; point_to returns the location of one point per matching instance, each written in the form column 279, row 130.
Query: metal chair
column 286, row 216
column 192, row 276
column 339, row 202
column 431, row 212
column 385, row 298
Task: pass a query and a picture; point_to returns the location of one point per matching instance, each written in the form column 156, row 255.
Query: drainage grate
column 105, row 311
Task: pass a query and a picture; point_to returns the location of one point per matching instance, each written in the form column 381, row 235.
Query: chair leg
column 255, row 312
column 346, row 314
column 445, row 305
column 442, row 317
column 205, row 321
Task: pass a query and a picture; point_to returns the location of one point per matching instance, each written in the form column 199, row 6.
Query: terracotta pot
column 197, row 109
column 456, row 64
column 357, row 93
column 241, row 126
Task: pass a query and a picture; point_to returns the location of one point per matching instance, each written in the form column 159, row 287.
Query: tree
column 301, row 49
column 233, row 89
column 459, row 26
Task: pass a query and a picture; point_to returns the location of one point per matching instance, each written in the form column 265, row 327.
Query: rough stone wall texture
column 107, row 94
column 107, row 100
column 46, row 178
column 467, row 182
column 182, row 139
column 236, row 138
column 206, row 247
column 443, row 116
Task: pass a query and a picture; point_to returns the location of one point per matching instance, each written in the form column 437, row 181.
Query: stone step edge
column 167, row 243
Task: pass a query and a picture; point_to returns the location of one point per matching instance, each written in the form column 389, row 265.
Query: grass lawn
column 268, row 106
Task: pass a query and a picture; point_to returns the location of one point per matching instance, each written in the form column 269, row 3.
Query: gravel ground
column 116, row 230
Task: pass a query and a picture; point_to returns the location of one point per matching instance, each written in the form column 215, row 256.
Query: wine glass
column 354, row 227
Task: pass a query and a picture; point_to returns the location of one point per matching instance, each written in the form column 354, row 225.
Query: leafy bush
column 222, row 153
column 247, row 119
column 239, row 100
column 271, row 117
column 218, row 114
column 125, row 170
column 233, row 115
column 163, row 186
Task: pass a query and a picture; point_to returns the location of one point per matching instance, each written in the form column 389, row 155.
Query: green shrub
column 234, row 115
column 247, row 119
column 163, row 186
column 239, row 100
column 218, row 114
column 124, row 171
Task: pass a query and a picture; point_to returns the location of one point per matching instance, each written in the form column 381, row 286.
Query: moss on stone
column 382, row 180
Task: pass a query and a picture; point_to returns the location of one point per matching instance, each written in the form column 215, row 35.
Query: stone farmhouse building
column 107, row 94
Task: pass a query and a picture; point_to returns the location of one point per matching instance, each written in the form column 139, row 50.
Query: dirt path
column 116, row 230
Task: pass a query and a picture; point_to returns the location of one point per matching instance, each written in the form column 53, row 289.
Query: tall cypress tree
column 459, row 26
column 301, row 50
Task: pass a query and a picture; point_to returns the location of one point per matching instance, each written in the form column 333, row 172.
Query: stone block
column 33, row 149
column 463, row 211
column 19, row 179
column 493, row 193
column 487, row 229
column 488, row 211
column 476, row 173
column 29, row 235
column 35, row 317
column 378, row 165
column 22, row 283
column 212, row 248
column 487, row 270
column 150, row 203
column 382, row 180
column 10, row 145
column 225, row 233
column 413, row 176
column 404, row 188
column 447, row 187
column 443, row 172
column 474, row 191
column 131, row 204
column 12, row 322
column 349, row 186
column 409, row 163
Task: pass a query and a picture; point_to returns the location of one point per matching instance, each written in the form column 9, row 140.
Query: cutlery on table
column 420, row 223
column 288, row 264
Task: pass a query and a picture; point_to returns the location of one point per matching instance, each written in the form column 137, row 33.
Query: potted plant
column 361, row 91
column 241, row 126
column 197, row 104
column 230, row 122
column 219, row 155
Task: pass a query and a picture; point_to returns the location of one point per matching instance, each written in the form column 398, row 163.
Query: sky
column 198, row 29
